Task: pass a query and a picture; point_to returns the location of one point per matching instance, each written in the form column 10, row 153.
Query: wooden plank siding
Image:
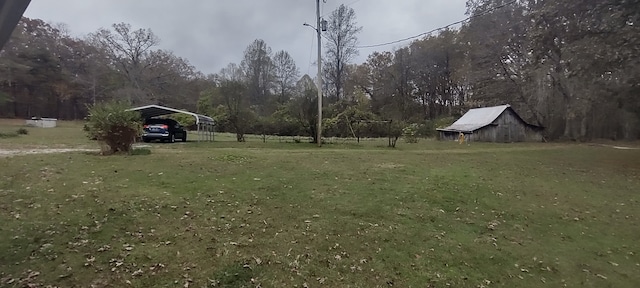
column 506, row 128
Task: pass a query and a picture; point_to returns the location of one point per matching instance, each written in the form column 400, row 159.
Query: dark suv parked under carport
column 163, row 130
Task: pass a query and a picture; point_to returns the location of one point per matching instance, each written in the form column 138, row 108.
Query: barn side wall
column 453, row 136
column 447, row 136
column 508, row 128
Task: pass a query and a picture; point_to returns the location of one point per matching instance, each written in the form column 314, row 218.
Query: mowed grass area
column 66, row 134
column 225, row 214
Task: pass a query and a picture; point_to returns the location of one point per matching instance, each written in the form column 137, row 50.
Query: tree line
column 569, row 67
column 45, row 72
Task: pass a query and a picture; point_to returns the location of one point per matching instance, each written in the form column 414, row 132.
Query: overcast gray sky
column 213, row 33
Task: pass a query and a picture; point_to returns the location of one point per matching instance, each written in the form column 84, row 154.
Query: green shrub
column 428, row 128
column 113, row 126
column 410, row 133
column 86, row 128
column 22, row 131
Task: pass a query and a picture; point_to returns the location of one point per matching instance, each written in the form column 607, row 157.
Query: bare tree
column 285, row 73
column 374, row 78
column 128, row 49
column 340, row 48
column 257, row 67
column 232, row 93
column 231, row 72
column 239, row 115
column 168, row 76
column 304, row 107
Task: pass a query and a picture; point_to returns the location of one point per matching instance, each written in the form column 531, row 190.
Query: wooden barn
column 492, row 124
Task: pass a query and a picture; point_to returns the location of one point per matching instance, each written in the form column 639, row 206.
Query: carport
column 204, row 123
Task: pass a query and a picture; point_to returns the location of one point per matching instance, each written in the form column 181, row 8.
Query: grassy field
column 67, row 134
column 275, row 214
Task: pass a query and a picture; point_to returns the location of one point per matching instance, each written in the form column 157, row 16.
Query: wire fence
column 293, row 139
column 230, row 137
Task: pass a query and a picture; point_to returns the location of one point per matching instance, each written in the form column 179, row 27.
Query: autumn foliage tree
column 569, row 67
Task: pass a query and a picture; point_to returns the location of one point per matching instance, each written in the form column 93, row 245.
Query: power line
column 440, row 28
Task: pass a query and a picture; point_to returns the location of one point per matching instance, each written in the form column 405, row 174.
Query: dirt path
column 18, row 152
column 624, row 148
column 618, row 147
column 4, row 152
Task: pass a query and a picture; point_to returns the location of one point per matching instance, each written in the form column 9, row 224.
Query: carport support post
column 198, row 131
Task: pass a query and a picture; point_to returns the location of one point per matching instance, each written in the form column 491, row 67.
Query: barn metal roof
column 476, row 118
column 150, row 111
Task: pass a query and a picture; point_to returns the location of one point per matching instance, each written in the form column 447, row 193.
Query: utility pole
column 318, row 29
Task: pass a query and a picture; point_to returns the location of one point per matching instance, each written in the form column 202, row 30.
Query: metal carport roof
column 204, row 123
column 150, row 111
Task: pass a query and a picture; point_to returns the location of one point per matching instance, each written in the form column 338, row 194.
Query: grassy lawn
column 275, row 214
column 66, row 134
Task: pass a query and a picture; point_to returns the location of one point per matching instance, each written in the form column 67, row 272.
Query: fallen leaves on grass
column 137, row 273
column 104, row 248
column 493, row 224
column 28, row 279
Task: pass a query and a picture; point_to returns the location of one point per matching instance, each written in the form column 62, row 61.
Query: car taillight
column 165, row 127
column 145, row 126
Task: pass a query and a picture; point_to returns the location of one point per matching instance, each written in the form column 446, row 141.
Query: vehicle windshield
column 153, row 121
